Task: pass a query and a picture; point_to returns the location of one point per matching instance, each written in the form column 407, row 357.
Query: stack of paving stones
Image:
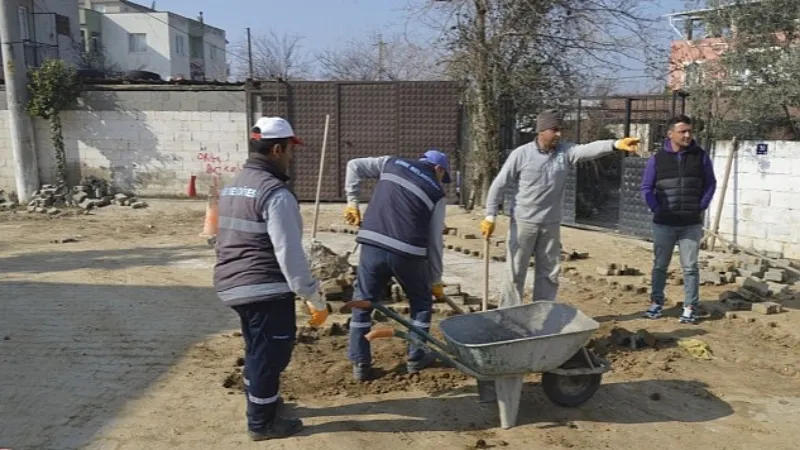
column 6, row 202
column 91, row 193
column 762, row 284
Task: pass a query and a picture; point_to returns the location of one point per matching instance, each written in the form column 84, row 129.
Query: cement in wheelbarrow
column 505, row 344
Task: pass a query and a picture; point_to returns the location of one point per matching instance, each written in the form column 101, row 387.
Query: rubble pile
column 91, row 193
column 334, row 271
column 761, row 283
column 6, row 202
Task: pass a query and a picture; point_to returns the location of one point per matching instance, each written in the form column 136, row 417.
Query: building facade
column 130, row 37
column 49, row 29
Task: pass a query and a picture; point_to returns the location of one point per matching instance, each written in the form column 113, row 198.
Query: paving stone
column 756, row 286
column 767, row 308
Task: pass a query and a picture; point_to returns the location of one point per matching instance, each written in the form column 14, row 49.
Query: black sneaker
column 362, row 372
column 279, row 428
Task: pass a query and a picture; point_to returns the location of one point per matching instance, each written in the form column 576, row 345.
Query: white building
column 49, row 29
column 136, row 37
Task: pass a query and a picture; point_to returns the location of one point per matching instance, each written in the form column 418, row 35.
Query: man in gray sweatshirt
column 538, row 172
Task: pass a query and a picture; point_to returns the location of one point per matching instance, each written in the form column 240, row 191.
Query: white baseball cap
column 274, row 128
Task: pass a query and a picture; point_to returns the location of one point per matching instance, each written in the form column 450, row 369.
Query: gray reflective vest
column 247, row 269
column 399, row 213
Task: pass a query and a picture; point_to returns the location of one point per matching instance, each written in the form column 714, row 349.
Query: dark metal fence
column 366, row 119
column 605, row 192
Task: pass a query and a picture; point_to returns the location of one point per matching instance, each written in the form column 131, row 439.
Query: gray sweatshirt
column 360, row 168
column 538, row 179
column 285, row 228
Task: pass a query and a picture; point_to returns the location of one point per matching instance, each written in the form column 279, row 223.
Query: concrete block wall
column 761, row 208
column 149, row 141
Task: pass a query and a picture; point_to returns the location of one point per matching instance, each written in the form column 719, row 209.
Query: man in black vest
column 261, row 266
column 400, row 237
column 678, row 186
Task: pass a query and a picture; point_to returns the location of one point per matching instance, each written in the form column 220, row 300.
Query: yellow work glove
column 627, row 144
column 438, row 291
column 487, row 227
column 318, row 309
column 352, row 215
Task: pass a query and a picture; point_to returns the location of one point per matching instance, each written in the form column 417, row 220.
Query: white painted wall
column 761, row 208
column 179, row 26
column 215, row 54
column 117, row 27
column 68, row 46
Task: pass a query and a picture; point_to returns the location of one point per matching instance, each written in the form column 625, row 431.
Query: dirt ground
column 113, row 339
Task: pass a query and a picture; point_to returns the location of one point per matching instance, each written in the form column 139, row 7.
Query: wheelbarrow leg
column 509, row 391
column 486, row 391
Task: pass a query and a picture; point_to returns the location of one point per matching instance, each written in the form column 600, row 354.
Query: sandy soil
column 116, row 341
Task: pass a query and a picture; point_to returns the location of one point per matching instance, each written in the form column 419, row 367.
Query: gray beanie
column 551, row 118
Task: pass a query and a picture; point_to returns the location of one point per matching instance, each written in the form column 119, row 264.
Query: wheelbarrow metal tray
column 534, row 337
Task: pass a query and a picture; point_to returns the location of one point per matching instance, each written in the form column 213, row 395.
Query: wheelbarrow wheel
column 570, row 390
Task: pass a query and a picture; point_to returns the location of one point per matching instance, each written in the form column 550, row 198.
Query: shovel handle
column 379, row 333
column 360, row 304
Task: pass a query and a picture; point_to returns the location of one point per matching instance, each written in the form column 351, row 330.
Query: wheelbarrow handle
column 380, row 333
column 426, row 337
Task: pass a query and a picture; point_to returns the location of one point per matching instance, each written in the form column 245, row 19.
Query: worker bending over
column 260, row 268
column 400, row 237
column 539, row 172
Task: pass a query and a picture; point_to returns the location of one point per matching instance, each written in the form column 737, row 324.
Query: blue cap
column 438, row 158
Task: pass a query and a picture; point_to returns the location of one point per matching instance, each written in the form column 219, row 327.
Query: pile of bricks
column 617, row 270
column 759, row 282
column 6, row 202
column 91, row 193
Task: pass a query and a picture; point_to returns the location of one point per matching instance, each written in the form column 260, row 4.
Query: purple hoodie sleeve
column 709, row 182
column 648, row 187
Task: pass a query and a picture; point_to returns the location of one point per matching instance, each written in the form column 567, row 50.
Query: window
column 83, row 40
column 180, row 45
column 137, row 42
column 212, row 52
column 23, row 23
column 62, row 25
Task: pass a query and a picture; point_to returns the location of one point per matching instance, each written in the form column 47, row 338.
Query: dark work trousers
column 376, row 267
column 268, row 329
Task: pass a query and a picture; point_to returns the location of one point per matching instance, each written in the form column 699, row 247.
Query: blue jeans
column 688, row 239
column 375, row 268
column 268, row 330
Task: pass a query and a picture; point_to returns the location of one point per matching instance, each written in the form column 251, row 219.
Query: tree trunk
column 59, row 152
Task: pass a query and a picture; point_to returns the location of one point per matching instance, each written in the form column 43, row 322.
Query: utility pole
column 249, row 53
column 26, row 170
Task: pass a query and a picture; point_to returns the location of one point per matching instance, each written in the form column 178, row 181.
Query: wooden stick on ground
column 319, row 178
column 485, row 305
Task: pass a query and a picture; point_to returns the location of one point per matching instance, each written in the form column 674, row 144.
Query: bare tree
column 534, row 54
column 96, row 58
column 274, row 56
column 376, row 58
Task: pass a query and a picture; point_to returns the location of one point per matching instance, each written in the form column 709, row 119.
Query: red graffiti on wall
column 207, row 157
column 221, row 169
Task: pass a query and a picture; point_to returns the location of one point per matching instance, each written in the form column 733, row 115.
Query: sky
column 324, row 23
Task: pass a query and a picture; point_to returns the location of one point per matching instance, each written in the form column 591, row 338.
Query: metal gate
column 605, row 192
column 366, row 119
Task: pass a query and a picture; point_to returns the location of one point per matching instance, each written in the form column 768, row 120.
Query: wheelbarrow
column 503, row 345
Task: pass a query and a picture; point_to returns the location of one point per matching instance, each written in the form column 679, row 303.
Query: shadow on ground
column 709, row 310
column 638, row 402
column 73, row 355
column 63, row 261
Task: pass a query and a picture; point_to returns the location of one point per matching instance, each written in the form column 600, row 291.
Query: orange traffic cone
column 211, row 223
